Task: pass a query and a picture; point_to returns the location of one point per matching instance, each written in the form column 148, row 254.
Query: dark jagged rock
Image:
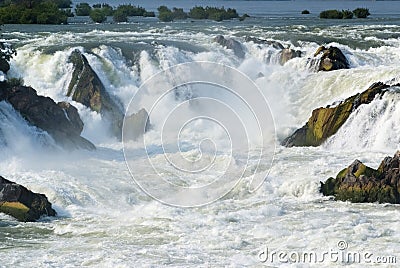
column 325, row 122
column 22, row 204
column 256, row 40
column 61, row 120
column 136, row 124
column 359, row 183
column 4, row 65
column 287, row 54
column 232, row 44
column 86, row 87
column 332, row 59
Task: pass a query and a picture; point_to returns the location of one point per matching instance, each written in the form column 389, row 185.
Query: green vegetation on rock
column 361, row 13
column 344, row 14
column 360, row 183
column 198, row 12
column 325, row 122
column 83, row 9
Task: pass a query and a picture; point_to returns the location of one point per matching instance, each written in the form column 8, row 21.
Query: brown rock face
column 325, row 122
column 61, row 120
column 22, row 204
column 359, row 183
column 332, row 59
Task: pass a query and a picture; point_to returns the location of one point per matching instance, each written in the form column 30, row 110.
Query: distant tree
column 63, row 3
column 361, row 12
column 97, row 15
column 198, row 12
column 347, row 14
column 331, row 14
column 165, row 14
column 83, row 9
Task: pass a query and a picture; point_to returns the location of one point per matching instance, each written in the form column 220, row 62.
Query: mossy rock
column 359, row 183
column 21, row 203
column 325, row 122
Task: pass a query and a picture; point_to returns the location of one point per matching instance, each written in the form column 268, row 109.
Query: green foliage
column 122, row 12
column 107, row 9
column 83, row 9
column 14, row 82
column 68, row 12
column 361, row 12
column 63, row 3
column 331, row 14
column 213, row 13
column 120, row 16
column 347, row 14
column 179, row 14
column 97, row 15
column 305, row 11
column 32, row 12
column 165, row 14
column 198, row 13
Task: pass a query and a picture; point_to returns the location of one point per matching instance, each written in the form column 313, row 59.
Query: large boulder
column 332, row 59
column 22, row 204
column 287, row 54
column 359, row 183
column 86, row 87
column 60, row 120
column 325, row 122
column 232, row 44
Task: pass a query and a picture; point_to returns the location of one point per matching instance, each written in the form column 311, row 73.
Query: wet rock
column 136, row 124
column 86, row 87
column 61, row 120
column 325, row 122
column 332, row 59
column 287, row 54
column 256, row 40
column 232, row 44
column 359, row 183
column 4, row 66
column 21, row 203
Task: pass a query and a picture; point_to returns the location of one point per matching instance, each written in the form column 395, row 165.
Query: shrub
column 63, row 3
column 331, row 14
column 347, row 14
column 305, row 11
column 107, row 9
column 198, row 13
column 179, row 14
column 83, row 9
column 361, row 12
column 97, row 15
column 120, row 16
column 165, row 14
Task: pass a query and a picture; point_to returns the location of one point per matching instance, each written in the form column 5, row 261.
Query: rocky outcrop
column 136, row 124
column 256, row 40
column 22, row 204
column 86, row 87
column 287, row 54
column 325, row 122
column 232, row 44
column 359, row 183
column 332, row 59
column 60, row 120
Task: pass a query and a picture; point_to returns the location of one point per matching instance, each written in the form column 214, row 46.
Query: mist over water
column 104, row 217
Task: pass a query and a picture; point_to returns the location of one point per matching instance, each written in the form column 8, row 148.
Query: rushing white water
column 106, row 220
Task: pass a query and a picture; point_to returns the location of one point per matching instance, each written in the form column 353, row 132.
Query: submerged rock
column 86, row 87
column 359, row 183
column 287, row 54
column 60, row 120
column 232, row 44
column 22, row 204
column 332, row 59
column 325, row 122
